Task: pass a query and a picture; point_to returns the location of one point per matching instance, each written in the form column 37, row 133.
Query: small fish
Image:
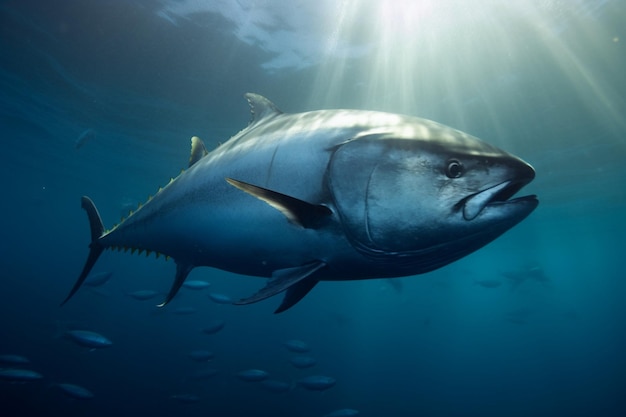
column 528, row 272
column 298, row 346
column 201, row 355
column 274, row 385
column 84, row 137
column 88, row 339
column 302, row 362
column 143, row 295
column 19, row 375
column 396, row 284
column 204, row 373
column 343, row 412
column 317, row 382
column 214, row 327
column 98, row 279
column 489, row 283
column 220, row 298
column 196, row 284
column 183, row 311
column 76, row 391
column 10, row 359
column 252, row 375
column 185, row 398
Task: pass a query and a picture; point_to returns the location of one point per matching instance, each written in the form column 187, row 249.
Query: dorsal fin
column 261, row 108
column 198, row 150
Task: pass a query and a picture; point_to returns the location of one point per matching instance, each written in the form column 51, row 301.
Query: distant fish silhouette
column 75, row 391
column 489, row 283
column 143, row 295
column 298, row 346
column 220, row 298
column 98, row 279
column 88, row 339
column 214, row 327
column 11, row 359
column 196, row 284
column 317, row 382
column 84, row 137
column 252, row 375
column 396, row 284
column 343, row 412
column 533, row 272
column 19, row 375
column 274, row 385
column 185, row 398
column 302, row 362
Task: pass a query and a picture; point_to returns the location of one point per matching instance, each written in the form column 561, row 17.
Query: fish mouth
column 497, row 195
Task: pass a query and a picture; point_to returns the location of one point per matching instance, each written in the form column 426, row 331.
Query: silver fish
column 325, row 195
column 19, row 375
column 88, row 339
column 75, row 391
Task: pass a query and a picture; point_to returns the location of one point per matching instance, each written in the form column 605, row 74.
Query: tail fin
column 95, row 248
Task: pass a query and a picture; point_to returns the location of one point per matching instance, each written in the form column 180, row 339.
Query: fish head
column 423, row 195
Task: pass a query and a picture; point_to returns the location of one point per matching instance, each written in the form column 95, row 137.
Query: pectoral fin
column 297, row 281
column 297, row 211
column 296, row 293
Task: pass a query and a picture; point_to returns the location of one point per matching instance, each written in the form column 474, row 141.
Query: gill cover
column 375, row 185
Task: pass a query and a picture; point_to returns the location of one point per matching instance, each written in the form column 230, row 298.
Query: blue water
column 543, row 335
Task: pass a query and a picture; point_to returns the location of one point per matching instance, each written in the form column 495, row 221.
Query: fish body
column 303, row 362
column 12, row 359
column 214, row 326
column 343, row 412
column 19, row 375
column 252, row 375
column 88, row 339
column 98, row 279
column 195, row 284
column 201, row 355
column 277, row 386
column 317, row 382
column 325, row 195
column 143, row 295
column 298, row 346
column 489, row 283
column 75, row 391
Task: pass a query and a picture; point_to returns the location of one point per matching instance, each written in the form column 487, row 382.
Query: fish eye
column 454, row 169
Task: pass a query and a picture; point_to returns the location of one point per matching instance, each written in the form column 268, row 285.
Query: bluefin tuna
column 322, row 196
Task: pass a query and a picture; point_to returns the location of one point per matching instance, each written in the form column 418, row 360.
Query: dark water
column 531, row 325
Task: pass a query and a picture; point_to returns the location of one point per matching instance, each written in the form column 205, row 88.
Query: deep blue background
column 543, row 80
